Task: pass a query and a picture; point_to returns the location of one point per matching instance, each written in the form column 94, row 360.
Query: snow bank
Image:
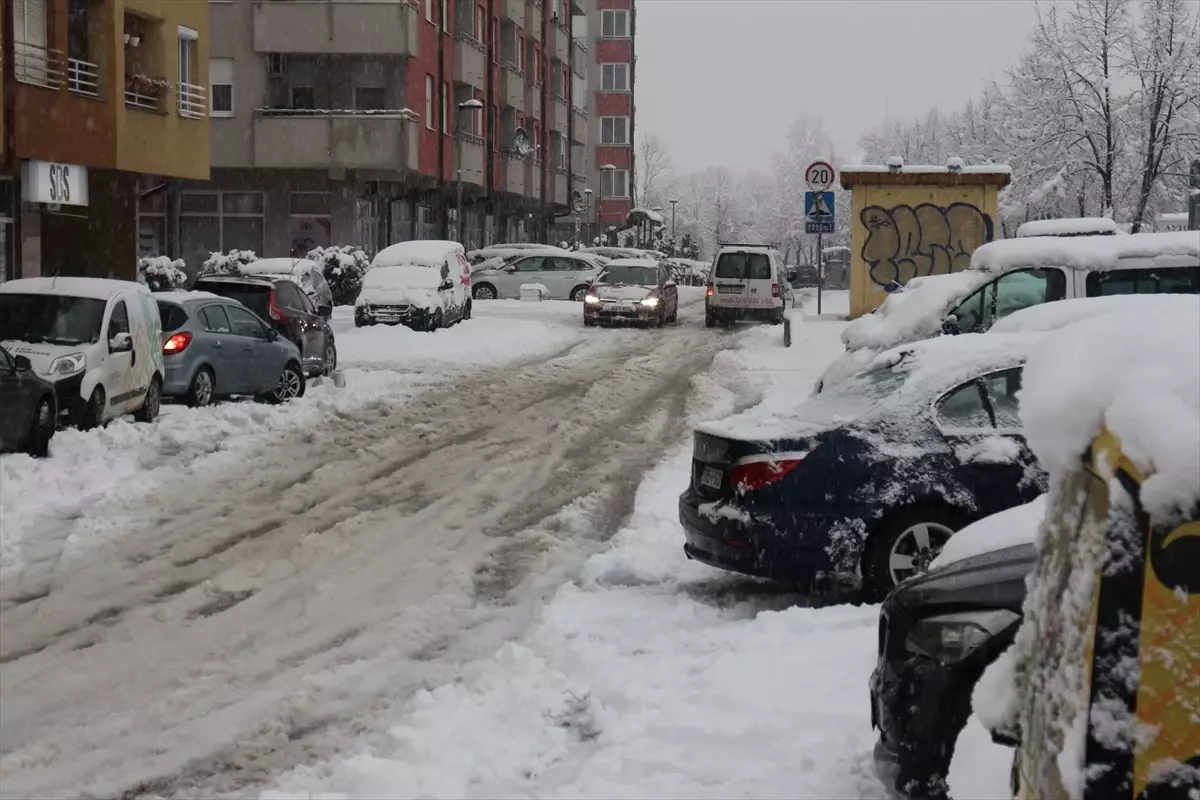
column 434, row 252
column 1071, row 226
column 913, row 314
column 1087, row 252
column 1047, row 317
column 1010, row 528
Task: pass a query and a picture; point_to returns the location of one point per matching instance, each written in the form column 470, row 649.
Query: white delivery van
column 748, row 282
column 98, row 341
column 424, row 285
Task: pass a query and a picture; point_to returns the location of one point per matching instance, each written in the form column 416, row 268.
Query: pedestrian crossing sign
column 818, row 212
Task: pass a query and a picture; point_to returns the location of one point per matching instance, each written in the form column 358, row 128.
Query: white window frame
column 429, row 11
column 614, row 14
column 609, row 176
column 613, row 140
column 445, row 17
column 213, row 111
column 610, row 70
column 429, row 103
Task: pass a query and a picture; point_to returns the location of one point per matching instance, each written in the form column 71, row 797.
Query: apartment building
column 608, row 162
column 99, row 97
column 341, row 122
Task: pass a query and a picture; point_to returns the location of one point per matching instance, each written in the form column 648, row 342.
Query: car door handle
column 217, row 343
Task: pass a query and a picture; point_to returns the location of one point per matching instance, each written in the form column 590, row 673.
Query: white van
column 424, row 285
column 98, row 341
column 748, row 282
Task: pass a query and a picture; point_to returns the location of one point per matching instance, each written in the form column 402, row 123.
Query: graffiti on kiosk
column 904, row 242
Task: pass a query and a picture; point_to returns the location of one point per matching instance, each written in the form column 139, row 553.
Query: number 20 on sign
column 819, row 176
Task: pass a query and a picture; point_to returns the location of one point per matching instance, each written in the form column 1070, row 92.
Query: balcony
column 38, row 66
column 83, row 77
column 470, row 62
column 579, row 131
column 514, row 87
column 323, row 139
column 560, row 43
column 558, row 115
column 515, row 10
column 471, row 153
column 146, row 92
column 560, row 187
column 515, row 179
column 351, row 27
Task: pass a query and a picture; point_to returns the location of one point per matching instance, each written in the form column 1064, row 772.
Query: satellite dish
column 521, row 142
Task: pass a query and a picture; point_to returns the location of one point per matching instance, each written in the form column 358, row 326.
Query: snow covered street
column 461, row 575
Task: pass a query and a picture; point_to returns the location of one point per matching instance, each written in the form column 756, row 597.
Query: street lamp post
column 657, row 210
column 673, row 202
column 471, row 105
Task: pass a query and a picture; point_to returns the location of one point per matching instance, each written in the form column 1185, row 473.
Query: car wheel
column 905, row 544
column 484, row 291
column 150, row 403
column 588, row 322
column 358, row 323
column 41, row 428
column 202, row 391
column 329, row 363
column 92, row 414
column 578, row 293
column 291, row 385
column 435, row 321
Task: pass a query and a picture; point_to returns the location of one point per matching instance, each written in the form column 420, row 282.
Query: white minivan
column 747, row 282
column 97, row 340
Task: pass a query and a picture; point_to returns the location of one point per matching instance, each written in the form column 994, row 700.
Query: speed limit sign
column 819, row 176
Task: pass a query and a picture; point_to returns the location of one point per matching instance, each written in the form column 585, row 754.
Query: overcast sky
column 721, row 80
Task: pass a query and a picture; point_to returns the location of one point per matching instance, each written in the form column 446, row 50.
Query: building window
column 220, row 221
column 537, row 64
column 369, row 98
column 480, row 24
column 521, row 52
column 310, row 221
column 445, row 18
column 614, row 183
column 446, row 108
column 220, row 75
column 614, row 23
column 614, row 77
column 429, row 102
column 614, row 130
column 493, row 120
column 429, row 10
column 32, row 60
column 303, row 98
column 495, row 42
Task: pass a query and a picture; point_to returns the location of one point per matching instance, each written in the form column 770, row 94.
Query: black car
column 28, row 408
column 864, row 483
column 284, row 304
column 937, row 634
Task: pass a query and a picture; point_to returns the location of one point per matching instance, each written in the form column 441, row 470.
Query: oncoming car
column 632, row 291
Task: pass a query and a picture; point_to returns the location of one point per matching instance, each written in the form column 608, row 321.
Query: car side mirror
column 446, row 284
column 1005, row 738
column 511, row 268
column 23, row 363
column 120, row 343
column 950, row 325
column 272, row 335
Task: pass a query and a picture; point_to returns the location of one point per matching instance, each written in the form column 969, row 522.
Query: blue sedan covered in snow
column 864, row 483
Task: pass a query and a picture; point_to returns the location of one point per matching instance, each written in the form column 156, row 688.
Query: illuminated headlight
column 591, row 298
column 67, row 365
column 950, row 638
column 650, row 302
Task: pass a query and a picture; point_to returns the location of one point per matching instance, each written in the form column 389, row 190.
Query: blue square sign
column 818, row 212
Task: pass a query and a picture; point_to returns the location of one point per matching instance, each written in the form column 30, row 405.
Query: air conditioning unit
column 276, row 64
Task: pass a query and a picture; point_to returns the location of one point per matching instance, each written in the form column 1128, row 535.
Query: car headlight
column 591, row 298
column 67, row 365
column 650, row 302
column 950, row 638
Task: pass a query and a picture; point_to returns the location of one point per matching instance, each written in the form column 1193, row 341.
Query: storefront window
column 220, row 221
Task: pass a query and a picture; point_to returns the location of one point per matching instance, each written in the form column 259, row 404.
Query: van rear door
column 743, row 279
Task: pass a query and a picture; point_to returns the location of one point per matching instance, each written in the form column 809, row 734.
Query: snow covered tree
column 343, row 268
column 653, row 166
column 227, row 263
column 161, row 274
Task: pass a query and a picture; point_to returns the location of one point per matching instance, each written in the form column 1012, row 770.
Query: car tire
column 41, row 428
column 435, row 321
column 92, row 414
column 151, row 403
column 710, row 321
column 485, row 291
column 329, row 362
column 291, row 385
column 899, row 540
column 661, row 319
column 358, row 323
column 202, row 391
column 578, row 293
column 588, row 322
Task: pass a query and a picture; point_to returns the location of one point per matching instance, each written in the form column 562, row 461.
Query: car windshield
column 50, row 318
column 638, row 276
column 255, row 297
column 755, row 266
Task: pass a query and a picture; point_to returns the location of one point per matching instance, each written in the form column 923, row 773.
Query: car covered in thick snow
column 307, row 275
column 1009, row 275
column 565, row 275
column 424, row 285
column 1069, row 226
column 865, row 483
column 632, row 291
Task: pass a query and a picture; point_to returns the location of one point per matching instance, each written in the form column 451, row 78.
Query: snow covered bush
column 227, row 263
column 343, row 268
column 161, row 274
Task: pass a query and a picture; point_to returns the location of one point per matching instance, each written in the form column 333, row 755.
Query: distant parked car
column 632, row 291
column 28, row 408
column 284, row 305
column 424, row 285
column 214, row 347
column 567, row 276
column 871, row 477
column 307, row 275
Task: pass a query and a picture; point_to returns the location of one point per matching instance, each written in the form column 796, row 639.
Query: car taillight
column 273, row 310
column 709, row 293
column 774, row 290
column 177, row 343
column 755, row 475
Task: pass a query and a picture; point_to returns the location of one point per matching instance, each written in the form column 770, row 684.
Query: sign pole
column 820, row 273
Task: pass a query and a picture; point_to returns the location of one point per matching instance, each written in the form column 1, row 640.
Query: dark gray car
column 214, row 347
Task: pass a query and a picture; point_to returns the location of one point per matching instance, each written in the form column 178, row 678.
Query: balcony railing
column 83, row 77
column 192, row 102
column 37, row 65
column 145, row 102
column 144, row 92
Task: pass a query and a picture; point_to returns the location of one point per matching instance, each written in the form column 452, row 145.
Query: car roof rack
column 769, row 246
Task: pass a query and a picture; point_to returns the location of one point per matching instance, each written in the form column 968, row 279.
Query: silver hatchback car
column 565, row 275
column 214, row 347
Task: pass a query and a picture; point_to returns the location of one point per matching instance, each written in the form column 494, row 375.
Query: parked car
column 214, row 347
column 866, row 482
column 613, row 253
column 632, row 291
column 307, row 275
column 286, row 307
column 567, row 276
column 1069, row 226
column 423, row 285
column 96, row 340
column 28, row 409
column 938, row 632
column 748, row 282
column 1012, row 274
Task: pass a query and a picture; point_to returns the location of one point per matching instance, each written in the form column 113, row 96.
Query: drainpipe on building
column 632, row 101
column 443, row 113
column 569, row 26
column 490, row 130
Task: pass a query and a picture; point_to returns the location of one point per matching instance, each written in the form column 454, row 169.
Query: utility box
column 908, row 222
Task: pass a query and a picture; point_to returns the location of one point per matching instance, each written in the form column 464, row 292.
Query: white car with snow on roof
column 424, row 285
column 96, row 340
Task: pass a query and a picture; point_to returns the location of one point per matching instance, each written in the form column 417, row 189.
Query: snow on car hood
column 620, row 291
column 1010, row 528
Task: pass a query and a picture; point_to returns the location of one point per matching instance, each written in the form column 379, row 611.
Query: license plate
column 387, row 317
column 723, row 289
column 711, row 478
column 618, row 308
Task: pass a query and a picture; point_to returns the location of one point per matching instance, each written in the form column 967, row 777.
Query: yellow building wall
column 165, row 143
column 907, row 231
